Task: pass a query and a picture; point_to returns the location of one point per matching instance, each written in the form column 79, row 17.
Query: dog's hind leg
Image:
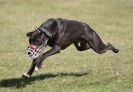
column 96, row 43
column 111, row 47
column 104, row 48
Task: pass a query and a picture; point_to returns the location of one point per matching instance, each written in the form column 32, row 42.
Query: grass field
column 71, row 70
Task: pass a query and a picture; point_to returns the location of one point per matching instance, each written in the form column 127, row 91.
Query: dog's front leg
column 38, row 62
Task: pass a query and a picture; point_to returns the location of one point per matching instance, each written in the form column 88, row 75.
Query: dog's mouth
column 34, row 51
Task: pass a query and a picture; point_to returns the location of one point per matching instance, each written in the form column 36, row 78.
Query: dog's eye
column 38, row 41
column 39, row 37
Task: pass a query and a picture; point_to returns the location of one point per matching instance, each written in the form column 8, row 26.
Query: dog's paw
column 36, row 68
column 116, row 50
column 25, row 75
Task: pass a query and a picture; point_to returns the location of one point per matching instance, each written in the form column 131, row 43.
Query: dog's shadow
column 22, row 82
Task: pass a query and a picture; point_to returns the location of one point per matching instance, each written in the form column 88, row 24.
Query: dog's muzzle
column 34, row 51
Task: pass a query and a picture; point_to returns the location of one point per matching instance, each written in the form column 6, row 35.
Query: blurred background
column 71, row 70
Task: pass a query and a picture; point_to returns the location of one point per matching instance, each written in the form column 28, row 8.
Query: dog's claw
column 25, row 75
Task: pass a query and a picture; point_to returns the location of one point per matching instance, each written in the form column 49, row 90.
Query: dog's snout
column 34, row 51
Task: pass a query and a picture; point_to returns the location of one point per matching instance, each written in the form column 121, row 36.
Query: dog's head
column 37, row 40
column 38, row 37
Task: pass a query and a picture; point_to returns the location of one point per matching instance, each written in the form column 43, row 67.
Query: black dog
column 61, row 33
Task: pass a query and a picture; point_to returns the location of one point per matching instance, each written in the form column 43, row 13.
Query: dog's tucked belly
column 65, row 43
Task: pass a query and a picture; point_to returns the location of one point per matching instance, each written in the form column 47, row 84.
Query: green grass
column 71, row 70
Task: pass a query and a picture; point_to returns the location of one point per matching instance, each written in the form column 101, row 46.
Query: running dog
column 59, row 34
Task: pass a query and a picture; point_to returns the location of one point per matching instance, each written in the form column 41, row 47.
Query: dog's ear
column 29, row 34
column 49, row 27
column 46, row 32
